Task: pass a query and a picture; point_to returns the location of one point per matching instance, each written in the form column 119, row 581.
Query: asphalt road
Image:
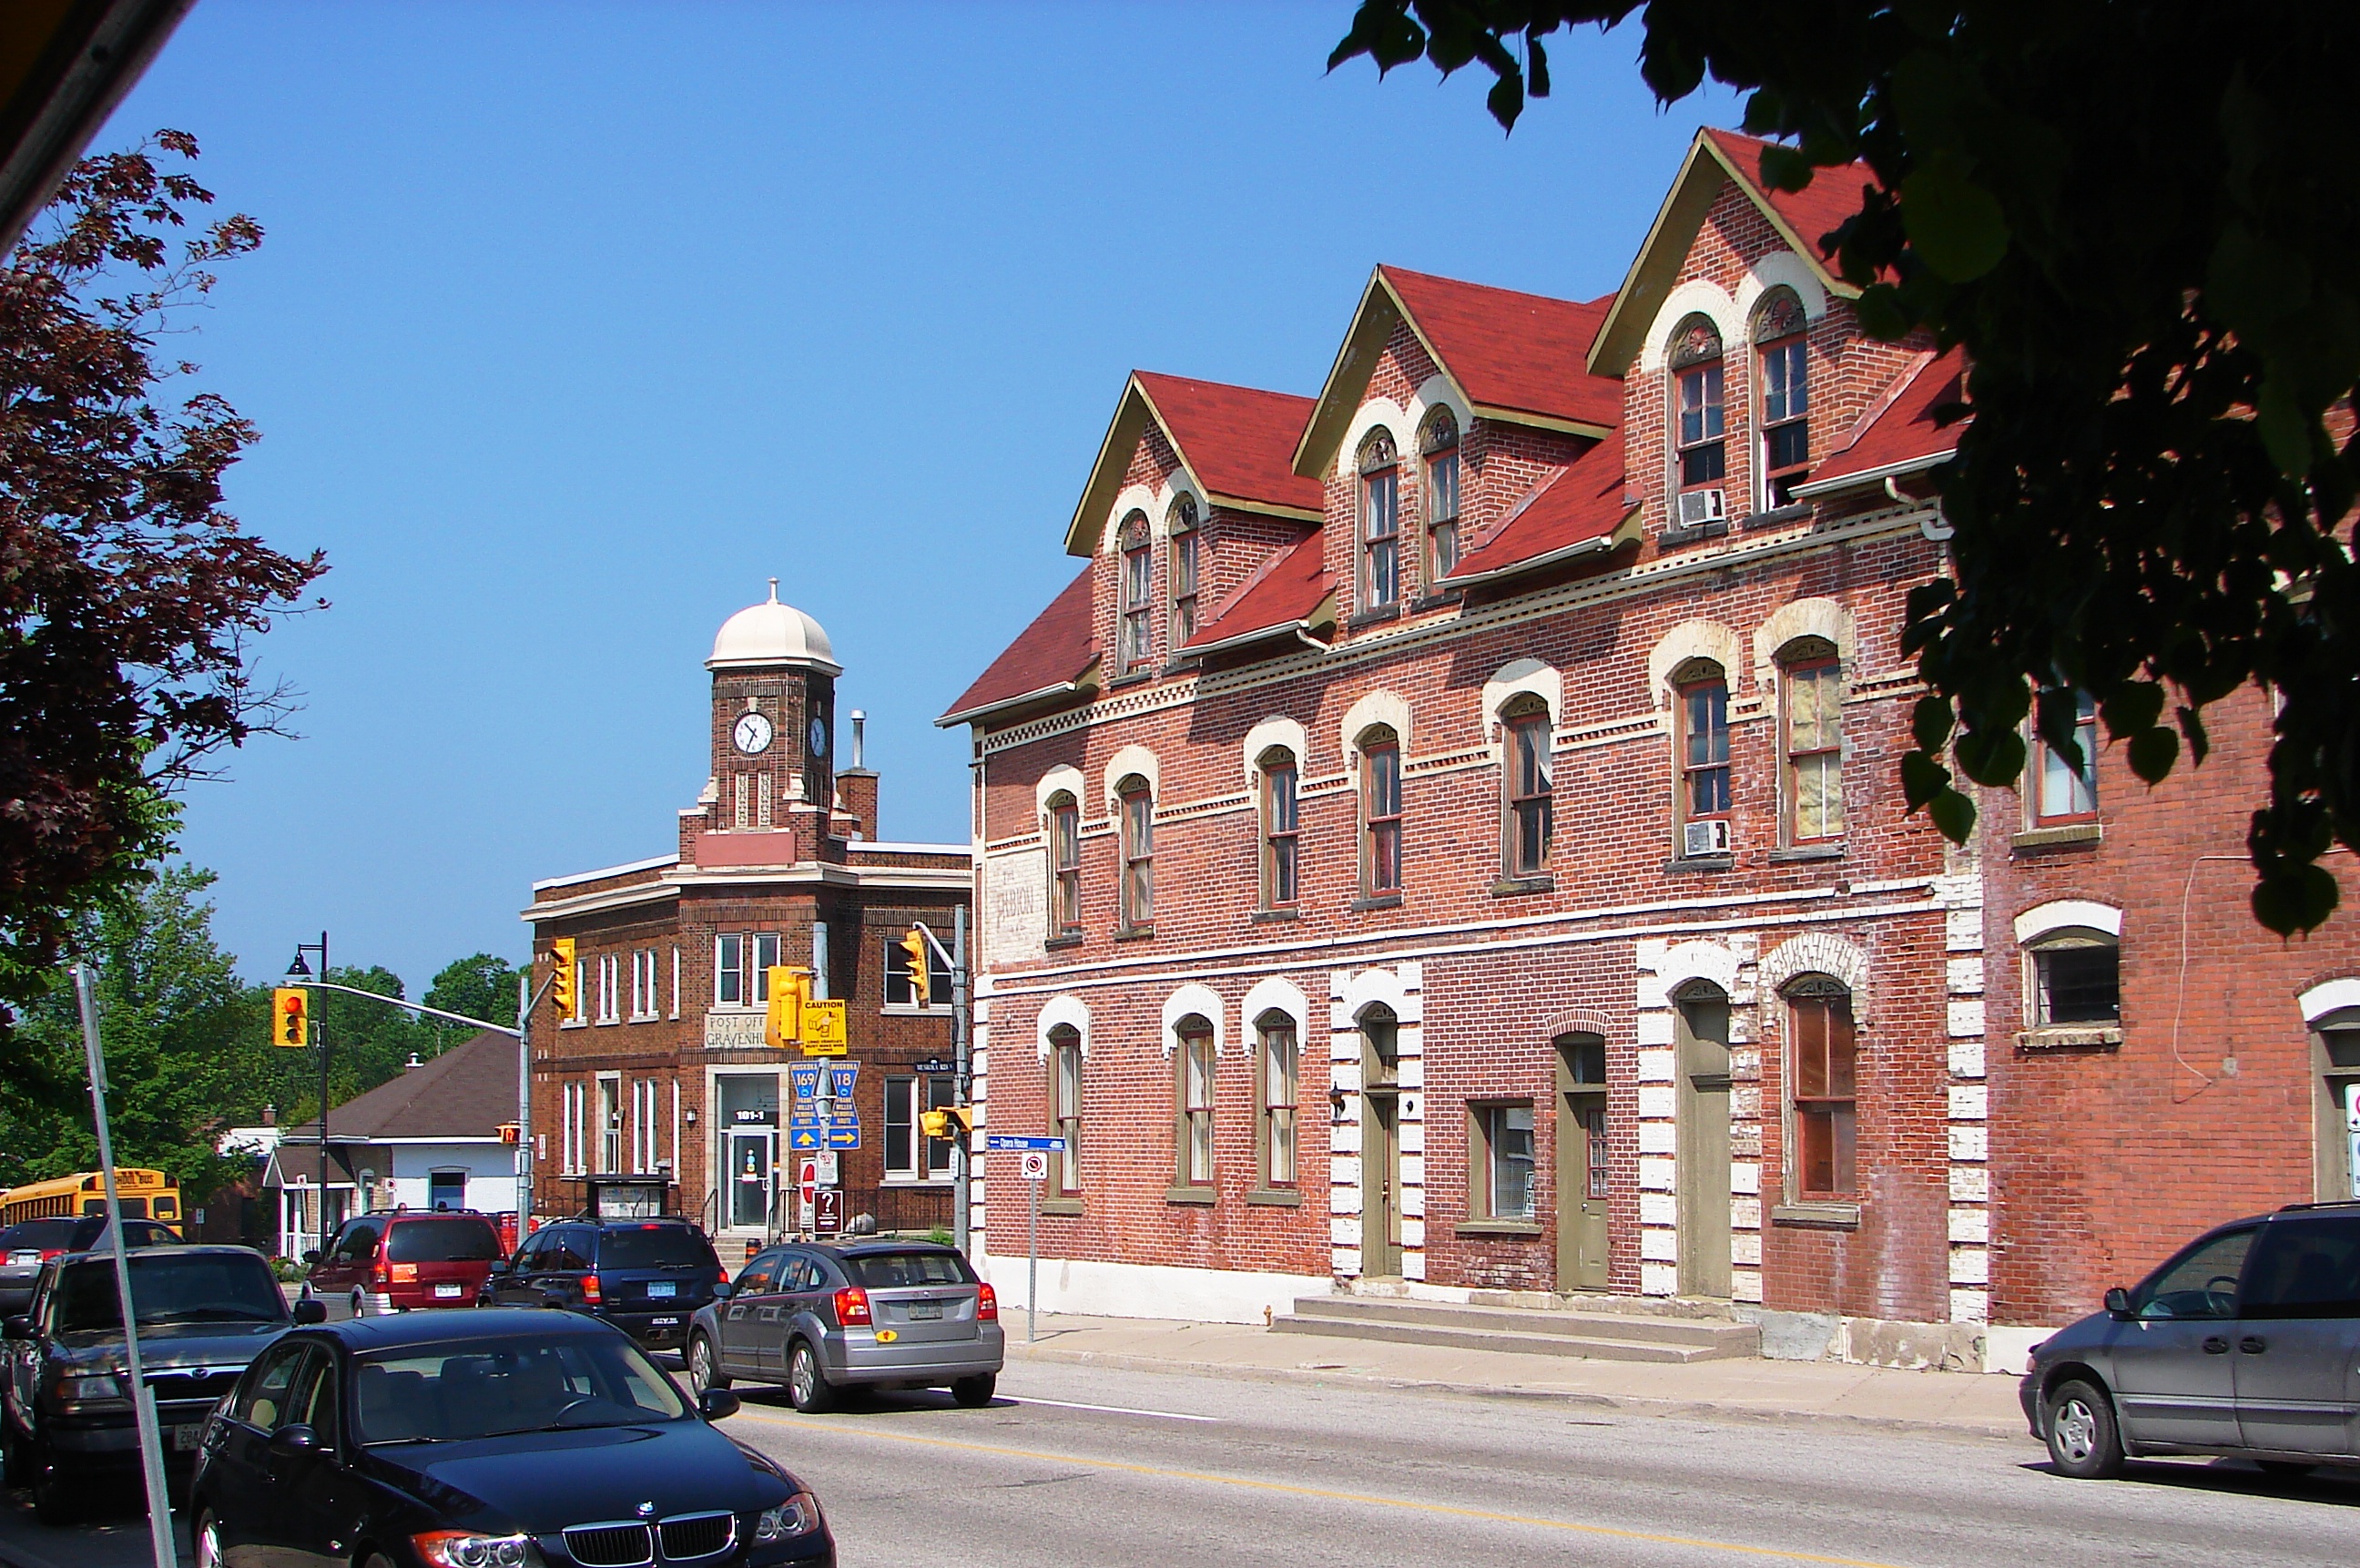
column 1304, row 1475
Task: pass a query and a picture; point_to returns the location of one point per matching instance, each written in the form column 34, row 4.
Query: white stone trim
column 1820, row 618
column 1190, row 1001
column 1518, row 678
column 2067, row 913
column 1820, row 952
column 1437, row 392
column 1068, row 1009
column 1130, row 760
column 1379, row 706
column 1147, row 1290
column 1063, row 778
column 1694, row 298
column 1692, row 640
column 2329, row 996
column 1775, row 269
column 1683, row 962
column 1279, row 994
column 1275, row 731
column 1160, row 525
column 1377, row 413
column 1139, row 498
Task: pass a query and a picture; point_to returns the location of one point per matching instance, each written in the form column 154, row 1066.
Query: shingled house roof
column 1047, row 659
column 467, row 1092
column 1285, row 596
column 1577, row 510
column 1235, row 444
column 1898, row 433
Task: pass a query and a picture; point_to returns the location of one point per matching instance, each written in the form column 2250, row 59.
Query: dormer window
column 1137, row 592
column 1380, row 522
column 1440, row 446
column 1778, row 328
column 1184, row 571
column 1701, row 436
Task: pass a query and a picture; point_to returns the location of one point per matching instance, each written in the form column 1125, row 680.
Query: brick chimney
column 856, row 789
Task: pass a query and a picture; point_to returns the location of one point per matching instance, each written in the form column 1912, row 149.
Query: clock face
column 818, row 737
column 751, row 734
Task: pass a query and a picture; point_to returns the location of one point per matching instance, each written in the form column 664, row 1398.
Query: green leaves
column 1954, row 224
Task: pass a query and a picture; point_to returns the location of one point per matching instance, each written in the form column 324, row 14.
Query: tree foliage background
column 2141, row 220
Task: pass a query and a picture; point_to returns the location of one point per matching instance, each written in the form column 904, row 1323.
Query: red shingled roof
column 1239, row 439
column 1832, row 195
column 1507, row 350
column 1054, row 651
column 1289, row 587
column 1579, row 505
column 1898, row 432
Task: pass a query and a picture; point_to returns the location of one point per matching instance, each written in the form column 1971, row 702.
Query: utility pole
column 524, row 1104
column 299, row 970
column 963, row 1157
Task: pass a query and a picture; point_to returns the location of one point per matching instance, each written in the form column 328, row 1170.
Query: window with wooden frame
column 1528, row 808
column 1065, row 865
column 1282, row 833
column 1825, row 1058
column 1812, row 713
column 1065, row 1107
column 1700, row 428
column 741, row 967
column 1138, row 585
column 1380, row 522
column 1786, row 359
column 1381, row 812
column 1275, row 1042
column 1702, row 709
column 1137, row 804
column 1192, row 1104
column 1439, row 444
column 2067, row 787
column 1186, row 542
column 1500, row 1165
column 2074, row 977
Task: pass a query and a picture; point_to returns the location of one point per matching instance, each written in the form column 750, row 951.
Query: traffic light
column 783, row 1014
column 921, row 979
column 938, row 1123
column 290, row 1016
column 560, row 984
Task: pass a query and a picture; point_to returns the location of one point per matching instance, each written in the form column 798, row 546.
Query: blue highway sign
column 1009, row 1143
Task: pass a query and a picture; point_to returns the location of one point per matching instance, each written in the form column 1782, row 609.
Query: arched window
column 1811, row 682
column 1381, row 812
column 1439, row 443
column 2073, row 979
column 1064, row 827
column 1192, row 1102
column 2067, row 790
column 1701, row 709
column 1380, row 522
column 1275, row 1042
column 1784, row 352
column 1138, row 806
column 1184, row 544
column 1824, row 1054
column 1065, row 1106
column 1281, row 828
column 1137, row 592
column 1526, row 809
column 1700, row 434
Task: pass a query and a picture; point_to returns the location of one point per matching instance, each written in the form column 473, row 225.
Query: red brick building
column 1448, row 833
column 664, row 1068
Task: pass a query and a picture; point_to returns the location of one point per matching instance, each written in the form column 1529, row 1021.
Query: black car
column 485, row 1439
column 205, row 1314
column 28, row 1243
column 648, row 1278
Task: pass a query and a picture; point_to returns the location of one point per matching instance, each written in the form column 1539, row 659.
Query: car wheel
column 360, row 1304
column 2082, row 1439
column 975, row 1392
column 55, row 1501
column 704, row 1367
column 807, row 1386
column 207, row 1537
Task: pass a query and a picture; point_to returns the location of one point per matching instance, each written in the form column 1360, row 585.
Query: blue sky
column 577, row 323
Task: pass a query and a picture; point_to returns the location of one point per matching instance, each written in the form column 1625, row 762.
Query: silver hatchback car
column 2246, row 1343
column 881, row 1314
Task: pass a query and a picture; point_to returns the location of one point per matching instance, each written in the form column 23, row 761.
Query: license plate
column 919, row 1311
column 663, row 1288
column 184, row 1438
column 663, row 1322
column 447, row 1292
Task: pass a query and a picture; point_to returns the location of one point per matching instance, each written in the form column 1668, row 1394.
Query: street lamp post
column 299, row 970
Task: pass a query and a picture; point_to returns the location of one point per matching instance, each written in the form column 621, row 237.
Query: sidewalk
column 1816, row 1393
column 104, row 1539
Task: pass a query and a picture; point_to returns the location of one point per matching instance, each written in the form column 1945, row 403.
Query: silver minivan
column 2246, row 1343
column 822, row 1318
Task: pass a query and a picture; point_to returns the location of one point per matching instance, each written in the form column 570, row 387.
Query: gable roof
column 467, row 1092
column 1522, row 358
column 1285, row 596
column 1580, row 509
column 1898, row 433
column 1234, row 442
column 1048, row 658
column 1717, row 158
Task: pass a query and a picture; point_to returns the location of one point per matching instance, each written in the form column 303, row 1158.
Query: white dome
column 773, row 633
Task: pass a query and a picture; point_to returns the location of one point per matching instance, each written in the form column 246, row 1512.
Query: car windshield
column 47, row 1235
column 486, row 1387
column 900, row 1270
column 655, row 1247
column 171, row 1288
column 459, row 1239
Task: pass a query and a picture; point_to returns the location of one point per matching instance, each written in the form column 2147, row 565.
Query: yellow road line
column 1610, row 1531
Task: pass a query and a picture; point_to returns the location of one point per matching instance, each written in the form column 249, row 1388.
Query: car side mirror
column 296, row 1441
column 499, row 1265
column 723, row 1290
column 19, row 1326
column 715, row 1404
column 310, row 1310
column 311, row 1255
column 2118, row 1302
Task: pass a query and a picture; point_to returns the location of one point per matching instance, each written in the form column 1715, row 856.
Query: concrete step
column 1600, row 1336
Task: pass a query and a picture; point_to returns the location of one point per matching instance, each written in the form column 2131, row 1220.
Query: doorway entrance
column 1581, row 1170
column 752, row 1156
column 1702, row 1068
column 1381, row 1227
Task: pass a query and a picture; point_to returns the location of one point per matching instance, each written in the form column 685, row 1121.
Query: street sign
column 806, row 1138
column 841, row 1077
column 823, row 1028
column 828, row 1167
column 844, row 1134
column 1035, row 1166
column 933, row 1066
column 1011, row 1143
column 804, row 1076
column 827, row 1211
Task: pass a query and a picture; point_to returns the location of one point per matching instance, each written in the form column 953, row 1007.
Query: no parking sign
column 1033, row 1165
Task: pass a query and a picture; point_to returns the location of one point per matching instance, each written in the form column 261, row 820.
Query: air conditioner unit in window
column 1704, row 838
column 1700, row 506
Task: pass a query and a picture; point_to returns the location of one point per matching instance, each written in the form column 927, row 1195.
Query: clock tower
column 773, row 738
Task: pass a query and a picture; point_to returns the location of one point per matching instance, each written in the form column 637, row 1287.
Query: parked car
column 485, row 1439
column 393, row 1263
column 645, row 1277
column 2246, row 1343
column 28, row 1243
column 881, row 1314
column 204, row 1312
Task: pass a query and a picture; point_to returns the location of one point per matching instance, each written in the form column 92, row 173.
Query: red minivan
column 391, row 1263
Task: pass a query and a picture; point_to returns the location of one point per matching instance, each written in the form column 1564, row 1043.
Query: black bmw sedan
column 497, row 1438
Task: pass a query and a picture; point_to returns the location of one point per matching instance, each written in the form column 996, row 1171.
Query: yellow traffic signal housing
column 783, row 1014
column 290, row 1016
column 938, row 1123
column 560, row 984
column 921, row 979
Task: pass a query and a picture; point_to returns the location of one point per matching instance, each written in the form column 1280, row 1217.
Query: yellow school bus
column 144, row 1194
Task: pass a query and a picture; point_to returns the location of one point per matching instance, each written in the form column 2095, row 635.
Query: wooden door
column 1381, row 1187
column 1703, row 1115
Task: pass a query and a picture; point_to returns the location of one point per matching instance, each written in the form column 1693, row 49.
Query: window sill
column 1192, row 1197
column 922, row 1183
column 1181, row 664
column 1135, row 678
column 574, row 1023
column 1677, row 536
column 1275, row 1196
column 1793, row 853
column 1058, row 944
column 1698, row 864
column 1816, row 1216
column 1522, row 1228
column 2065, row 835
column 646, row 1018
column 1133, row 933
column 1509, row 886
column 1382, row 901
column 2072, row 1038
column 1448, row 600
column 1061, row 1205
column 1799, row 511
column 1263, row 917
column 1376, row 617
column 912, row 1010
